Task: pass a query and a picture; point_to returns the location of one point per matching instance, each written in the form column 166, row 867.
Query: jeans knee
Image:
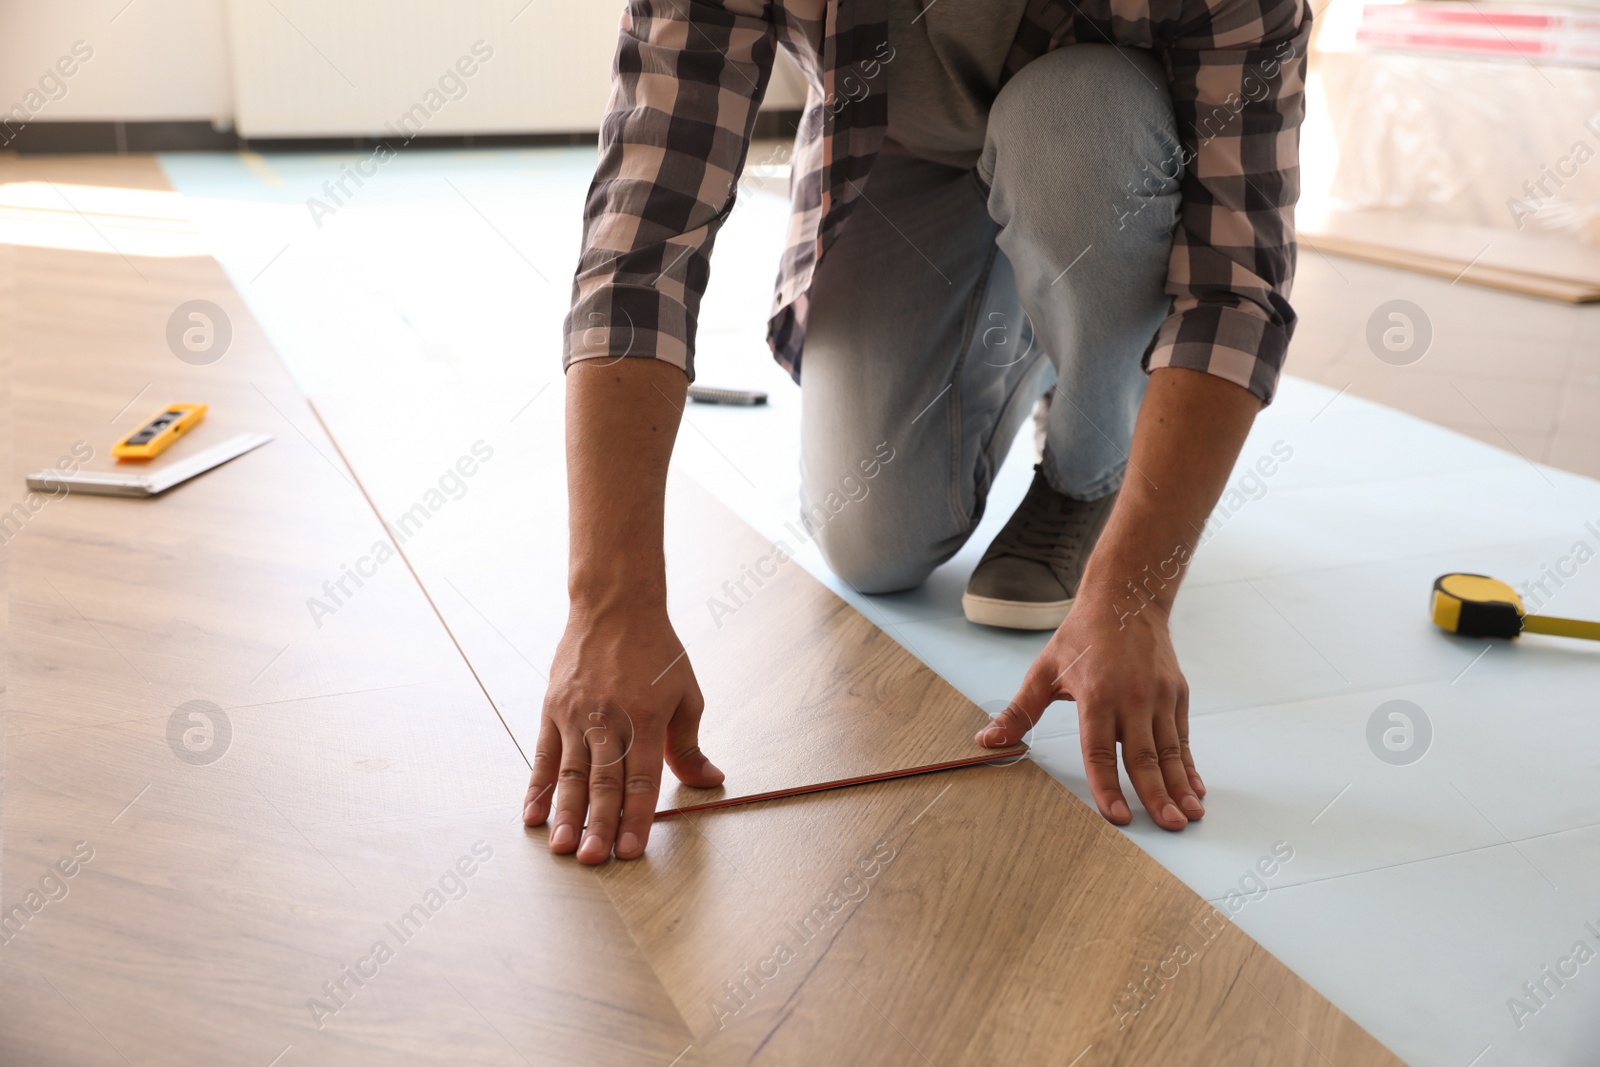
column 1092, row 122
column 1096, row 94
column 871, row 560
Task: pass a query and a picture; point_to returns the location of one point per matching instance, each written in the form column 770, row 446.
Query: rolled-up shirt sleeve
column 1237, row 74
column 687, row 81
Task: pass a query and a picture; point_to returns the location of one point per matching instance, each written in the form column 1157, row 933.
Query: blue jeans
column 955, row 298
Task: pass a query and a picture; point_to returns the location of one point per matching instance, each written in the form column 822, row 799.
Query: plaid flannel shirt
column 689, row 76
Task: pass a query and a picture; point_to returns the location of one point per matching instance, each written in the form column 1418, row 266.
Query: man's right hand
column 622, row 694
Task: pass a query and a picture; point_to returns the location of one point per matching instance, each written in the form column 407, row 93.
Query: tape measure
column 159, row 431
column 1477, row 606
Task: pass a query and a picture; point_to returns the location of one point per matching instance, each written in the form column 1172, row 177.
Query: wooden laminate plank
column 202, row 592
column 1531, row 264
column 1009, row 920
column 1460, row 270
column 140, row 172
column 211, row 899
column 801, row 690
column 217, row 900
column 980, row 916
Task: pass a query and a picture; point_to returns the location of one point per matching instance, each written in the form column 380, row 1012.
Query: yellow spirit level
column 1476, row 606
column 152, row 439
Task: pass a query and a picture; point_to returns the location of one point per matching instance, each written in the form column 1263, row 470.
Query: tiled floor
column 1421, row 897
column 1518, row 373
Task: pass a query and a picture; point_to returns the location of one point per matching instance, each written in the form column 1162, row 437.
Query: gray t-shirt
column 948, row 57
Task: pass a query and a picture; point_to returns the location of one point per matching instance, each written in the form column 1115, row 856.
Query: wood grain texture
column 202, row 592
column 980, row 916
column 362, row 763
column 219, row 899
column 801, row 690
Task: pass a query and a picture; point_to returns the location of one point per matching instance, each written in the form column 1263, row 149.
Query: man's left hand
column 1115, row 659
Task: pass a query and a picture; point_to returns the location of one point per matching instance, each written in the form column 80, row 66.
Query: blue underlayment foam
column 1419, row 898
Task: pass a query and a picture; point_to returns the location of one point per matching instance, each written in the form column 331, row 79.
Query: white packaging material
column 1505, row 145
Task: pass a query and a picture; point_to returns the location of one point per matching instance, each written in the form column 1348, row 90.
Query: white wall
column 257, row 64
column 158, row 59
column 323, row 68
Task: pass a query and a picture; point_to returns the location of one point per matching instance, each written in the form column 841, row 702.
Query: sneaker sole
column 1015, row 614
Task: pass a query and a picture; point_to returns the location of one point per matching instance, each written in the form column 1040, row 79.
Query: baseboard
column 120, row 138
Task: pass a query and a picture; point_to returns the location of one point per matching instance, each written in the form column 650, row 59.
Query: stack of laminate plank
column 1555, row 268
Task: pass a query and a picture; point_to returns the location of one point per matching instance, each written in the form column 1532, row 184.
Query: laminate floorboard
column 979, row 916
column 218, row 900
column 201, row 593
column 410, row 283
column 357, row 764
column 1522, row 262
column 801, row 690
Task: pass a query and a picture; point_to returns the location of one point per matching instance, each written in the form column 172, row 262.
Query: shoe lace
column 1047, row 528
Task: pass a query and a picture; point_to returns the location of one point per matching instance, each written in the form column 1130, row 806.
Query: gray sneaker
column 1027, row 579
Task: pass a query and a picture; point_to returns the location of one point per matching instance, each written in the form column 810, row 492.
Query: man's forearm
column 622, row 420
column 1190, row 429
column 621, row 696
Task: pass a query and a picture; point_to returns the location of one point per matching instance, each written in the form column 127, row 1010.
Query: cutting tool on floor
column 1475, row 605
